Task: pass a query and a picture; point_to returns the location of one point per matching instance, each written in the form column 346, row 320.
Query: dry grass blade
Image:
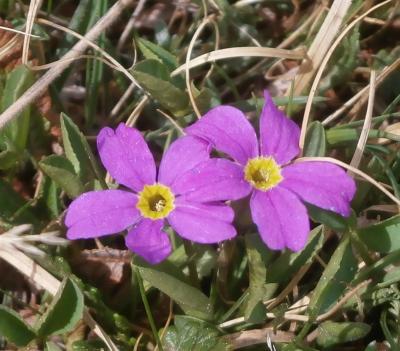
column 39, row 87
column 18, row 32
column 322, row 67
column 5, row 49
column 187, row 72
column 246, row 51
column 360, row 98
column 34, row 7
column 258, row 336
column 131, row 23
column 45, row 280
column 362, row 141
column 112, row 61
column 321, row 44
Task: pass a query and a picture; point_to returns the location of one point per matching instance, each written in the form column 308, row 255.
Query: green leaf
column 339, row 272
column 75, row 146
column 84, row 17
column 193, row 334
column 202, row 98
column 332, row 333
column 14, row 329
column 329, row 218
column 62, row 172
column 153, row 51
column 345, row 60
column 258, row 257
column 64, row 312
column 287, row 264
column 17, row 131
column 50, row 197
column 167, row 278
column 315, row 142
column 11, row 203
column 382, row 237
column 94, row 68
column 9, row 158
column 153, row 76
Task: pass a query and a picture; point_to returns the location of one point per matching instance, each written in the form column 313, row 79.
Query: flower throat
column 155, row 201
column 263, row 173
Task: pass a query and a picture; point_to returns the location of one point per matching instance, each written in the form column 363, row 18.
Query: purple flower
column 278, row 189
column 186, row 192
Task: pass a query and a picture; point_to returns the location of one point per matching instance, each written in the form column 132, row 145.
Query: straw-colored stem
column 40, row 86
column 322, row 67
column 362, row 140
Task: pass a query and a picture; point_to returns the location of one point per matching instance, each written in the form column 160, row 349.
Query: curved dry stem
column 116, row 64
column 322, row 67
column 173, row 122
column 294, row 281
column 130, row 25
column 39, row 87
column 33, row 9
column 187, row 73
column 355, row 171
column 54, row 63
column 362, row 140
column 244, row 51
column 342, row 301
column 216, row 46
column 8, row 46
column 18, row 32
column 358, row 99
column 321, row 44
column 125, row 96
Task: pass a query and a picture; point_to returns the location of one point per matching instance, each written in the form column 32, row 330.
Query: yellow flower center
column 155, row 201
column 263, row 173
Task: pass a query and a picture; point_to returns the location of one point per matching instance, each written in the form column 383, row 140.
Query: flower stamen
column 263, row 173
column 155, row 201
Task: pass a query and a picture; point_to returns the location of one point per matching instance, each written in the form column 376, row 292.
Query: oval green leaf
column 64, row 312
column 14, row 329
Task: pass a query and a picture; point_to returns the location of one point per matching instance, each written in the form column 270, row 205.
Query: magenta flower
column 185, row 193
column 278, row 189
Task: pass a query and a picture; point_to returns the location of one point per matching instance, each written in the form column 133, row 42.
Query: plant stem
column 194, row 278
column 147, row 308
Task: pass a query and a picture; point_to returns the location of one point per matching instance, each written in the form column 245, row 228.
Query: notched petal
column 279, row 136
column 126, row 156
column 229, row 131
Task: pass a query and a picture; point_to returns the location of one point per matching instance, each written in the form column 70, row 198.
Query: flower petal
column 322, row 184
column 213, row 180
column 281, row 218
column 229, row 131
column 126, row 156
column 148, row 240
column 279, row 136
column 202, row 223
column 182, row 155
column 99, row 213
